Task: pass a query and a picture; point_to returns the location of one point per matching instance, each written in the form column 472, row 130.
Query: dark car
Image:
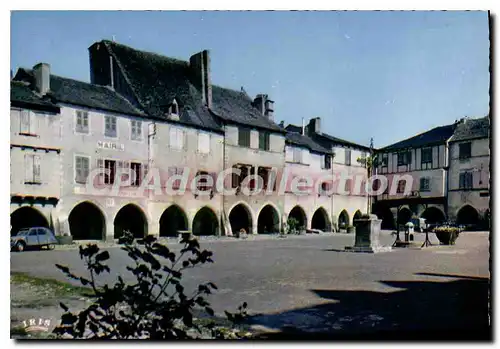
column 36, row 237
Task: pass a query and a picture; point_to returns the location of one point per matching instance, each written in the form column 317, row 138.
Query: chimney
column 199, row 65
column 314, row 126
column 41, row 71
column 264, row 105
column 260, row 103
column 269, row 109
column 303, row 127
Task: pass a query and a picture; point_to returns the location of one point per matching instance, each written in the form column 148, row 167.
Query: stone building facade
column 93, row 160
column 427, row 176
column 469, row 173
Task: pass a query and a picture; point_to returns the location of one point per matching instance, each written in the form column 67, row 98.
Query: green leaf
column 104, row 255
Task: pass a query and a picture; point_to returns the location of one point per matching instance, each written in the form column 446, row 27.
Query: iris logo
column 36, row 325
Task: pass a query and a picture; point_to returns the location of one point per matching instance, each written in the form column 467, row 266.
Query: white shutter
column 85, row 168
column 172, row 137
column 37, row 178
column 106, row 125
column 138, row 128
column 203, row 143
column 79, row 121
column 33, row 123
column 126, row 168
column 24, row 121
column 28, row 168
column 119, row 168
column 100, row 165
column 78, row 169
column 86, row 120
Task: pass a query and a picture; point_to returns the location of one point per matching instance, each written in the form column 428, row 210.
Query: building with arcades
column 446, row 172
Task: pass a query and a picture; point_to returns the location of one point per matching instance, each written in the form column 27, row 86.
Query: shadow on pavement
column 421, row 310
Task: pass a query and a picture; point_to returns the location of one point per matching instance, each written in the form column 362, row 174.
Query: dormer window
column 174, row 108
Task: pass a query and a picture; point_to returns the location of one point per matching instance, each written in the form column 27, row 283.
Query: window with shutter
column 81, row 169
column 424, row 184
column 100, row 166
column 297, row 155
column 32, row 174
column 404, row 158
column 27, row 123
column 235, row 178
column 243, row 137
column 145, row 168
column 36, row 169
column 465, row 180
column 327, row 161
column 263, row 140
column 348, row 157
column 110, row 126
column 426, row 155
column 264, row 174
column 385, row 160
column 348, row 185
column 136, row 179
column 82, row 122
column 136, row 130
column 109, row 176
column 176, row 138
column 464, row 150
column 175, row 171
column 28, row 168
column 401, row 186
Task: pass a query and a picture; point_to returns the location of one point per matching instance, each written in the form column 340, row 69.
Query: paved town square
column 311, row 152
column 310, row 284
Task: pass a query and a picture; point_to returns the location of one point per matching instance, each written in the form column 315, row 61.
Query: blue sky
column 386, row 75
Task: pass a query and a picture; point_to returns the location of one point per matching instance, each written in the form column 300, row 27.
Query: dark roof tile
column 335, row 140
column 65, row 90
column 324, row 140
column 22, row 95
column 156, row 80
column 236, row 106
column 294, row 136
column 437, row 135
column 471, row 129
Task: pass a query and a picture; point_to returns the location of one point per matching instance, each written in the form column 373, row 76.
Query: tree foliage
column 155, row 306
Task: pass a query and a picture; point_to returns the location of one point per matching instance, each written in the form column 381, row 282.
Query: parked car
column 36, row 237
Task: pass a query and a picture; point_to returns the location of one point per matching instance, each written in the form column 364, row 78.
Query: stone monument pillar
column 367, row 236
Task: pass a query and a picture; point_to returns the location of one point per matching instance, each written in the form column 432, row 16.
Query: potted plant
column 447, row 235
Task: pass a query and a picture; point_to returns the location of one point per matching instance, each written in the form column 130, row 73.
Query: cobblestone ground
column 309, row 283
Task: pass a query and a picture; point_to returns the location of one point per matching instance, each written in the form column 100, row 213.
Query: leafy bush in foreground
column 155, row 306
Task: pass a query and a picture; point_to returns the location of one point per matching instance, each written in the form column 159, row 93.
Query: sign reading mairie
column 110, row 145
